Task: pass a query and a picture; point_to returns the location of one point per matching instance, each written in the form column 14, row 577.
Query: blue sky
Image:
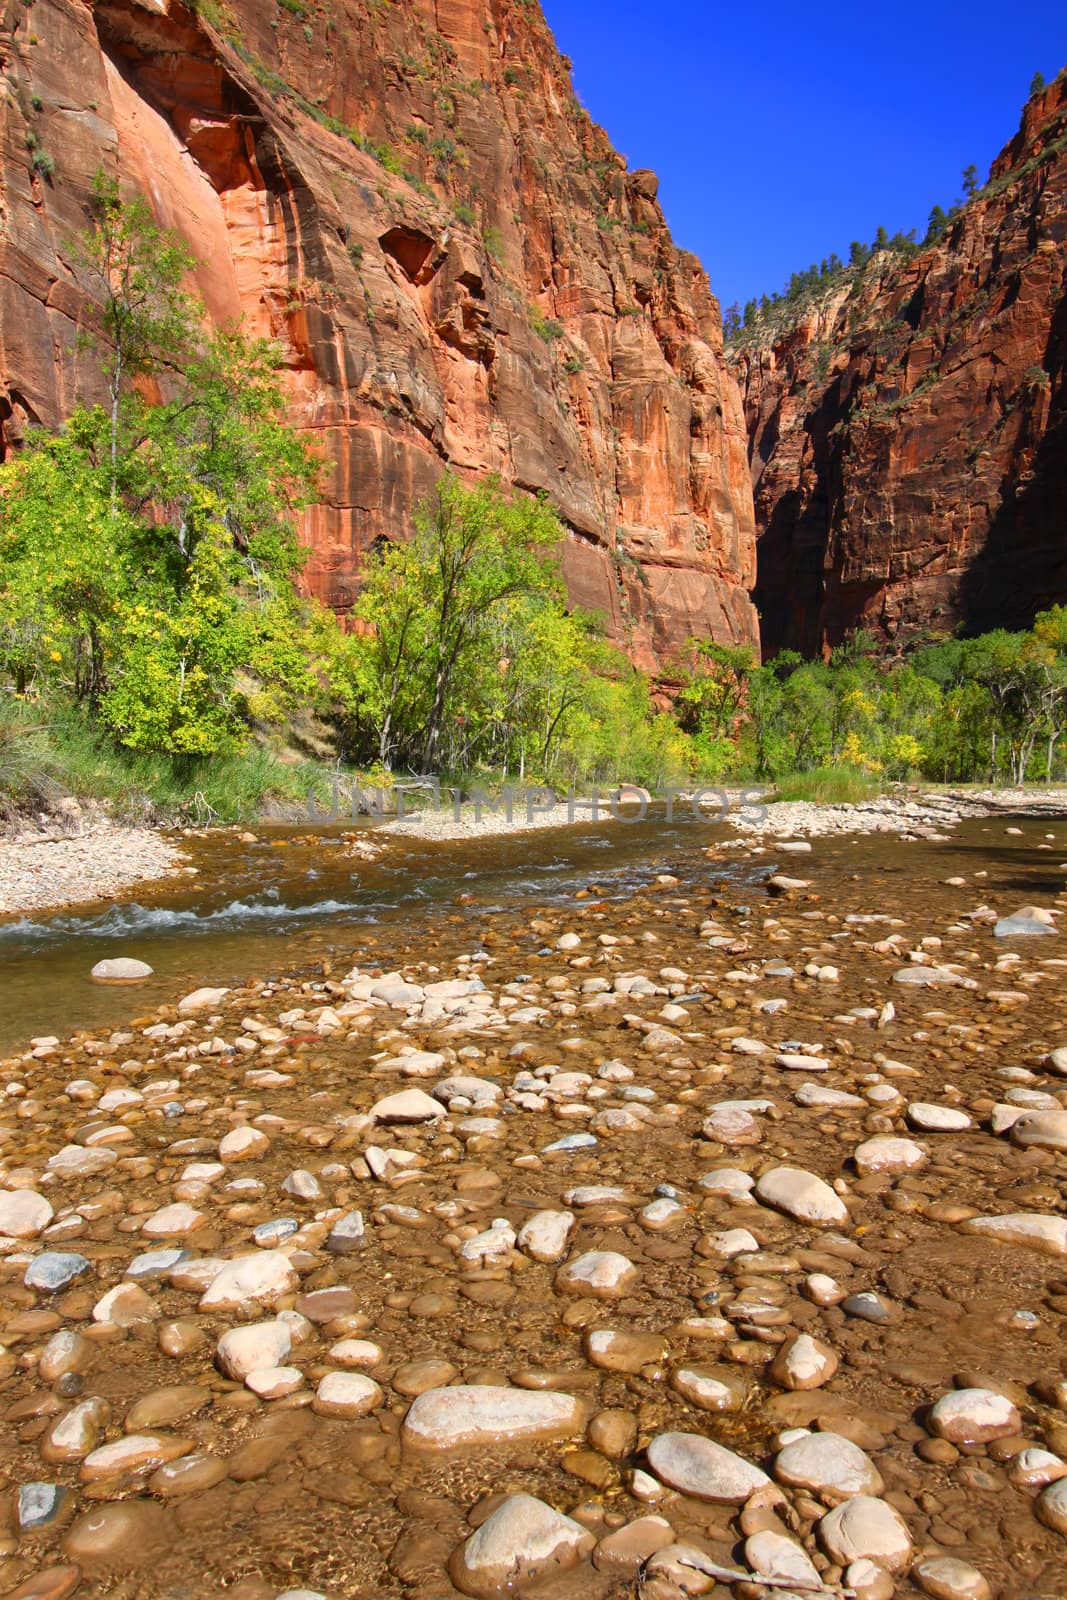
column 781, row 132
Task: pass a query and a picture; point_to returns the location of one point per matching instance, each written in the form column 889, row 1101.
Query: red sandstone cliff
column 908, row 434
column 459, row 267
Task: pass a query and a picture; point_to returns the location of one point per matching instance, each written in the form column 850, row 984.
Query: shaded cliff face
column 908, row 435
column 458, row 266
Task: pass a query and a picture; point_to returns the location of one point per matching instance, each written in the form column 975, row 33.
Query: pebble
column 486, row 1414
column 828, row 1464
column 23, row 1213
column 346, row 1394
column 946, row 1578
column 523, row 1541
column 865, row 1526
column 603, row 1273
column 699, row 1467
column 53, row 1270
column 121, row 969
column 974, row 1416
column 801, row 1195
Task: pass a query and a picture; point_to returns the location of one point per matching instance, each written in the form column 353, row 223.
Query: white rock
column 543, row 1237
column 804, row 1363
column 1029, row 1228
column 602, row 1273
column 937, row 1119
column 346, row 1394
column 274, row 1383
column 866, row 1527
column 773, row 1555
column 76, row 1161
column 801, row 1195
column 946, row 1578
column 1047, row 1130
column 121, row 969
column 729, row 1181
column 257, row 1280
column 176, row 1219
column 247, row 1349
column 828, row 1464
column 201, row 1000
column 490, row 1245
column 486, row 1414
column 699, row 1467
column 887, row 1154
column 23, row 1213
column 243, row 1144
column 1035, row 1468
column 974, row 1416
column 410, row 1105
column 522, row 1542
column 1051, row 1506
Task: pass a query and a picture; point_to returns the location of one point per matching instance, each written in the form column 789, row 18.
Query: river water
column 296, row 900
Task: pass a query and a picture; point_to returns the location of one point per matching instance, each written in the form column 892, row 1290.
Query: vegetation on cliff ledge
column 156, row 651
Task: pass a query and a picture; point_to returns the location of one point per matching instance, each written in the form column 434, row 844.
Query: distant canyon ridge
column 462, row 274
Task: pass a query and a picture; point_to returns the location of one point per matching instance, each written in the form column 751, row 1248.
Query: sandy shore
column 39, row 873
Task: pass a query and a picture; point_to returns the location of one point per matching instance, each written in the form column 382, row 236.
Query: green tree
column 431, row 608
column 147, row 320
column 1037, row 84
column 970, row 180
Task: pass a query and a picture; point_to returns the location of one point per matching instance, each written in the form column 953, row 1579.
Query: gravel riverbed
column 705, row 1242
column 98, row 864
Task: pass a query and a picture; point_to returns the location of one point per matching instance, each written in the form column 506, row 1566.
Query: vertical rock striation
column 460, row 269
column 908, row 433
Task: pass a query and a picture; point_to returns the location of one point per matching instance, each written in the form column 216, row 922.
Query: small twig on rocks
column 731, row 1575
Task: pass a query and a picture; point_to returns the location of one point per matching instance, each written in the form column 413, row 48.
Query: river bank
column 700, row 1228
column 102, row 861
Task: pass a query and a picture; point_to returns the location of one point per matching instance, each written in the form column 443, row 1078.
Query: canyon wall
column 459, row 268
column 908, row 431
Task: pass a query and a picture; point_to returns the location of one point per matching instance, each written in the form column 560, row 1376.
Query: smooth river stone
column 828, row 1464
column 773, row 1555
column 410, row 1105
column 710, row 1389
column 1051, row 1506
column 974, row 1416
column 802, row 1195
column 134, row 1453
column 54, row 1270
column 121, row 969
column 468, row 1414
column 623, row 1350
column 174, row 1219
column 699, row 1467
column 804, row 1363
column 257, row 1279
column 247, row 1349
column 23, row 1213
column 544, row 1236
column 346, row 1394
column 937, row 1119
column 1047, row 1130
column 866, row 1527
column 522, row 1542
column 946, row 1578
column 1032, row 1229
column 602, row 1273
column 124, row 1533
column 886, row 1153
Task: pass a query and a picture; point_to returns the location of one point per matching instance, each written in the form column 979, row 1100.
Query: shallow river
column 639, row 1059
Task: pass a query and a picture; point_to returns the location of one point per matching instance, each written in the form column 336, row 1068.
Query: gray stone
column 39, row 1504
column 54, row 1269
column 347, row 1235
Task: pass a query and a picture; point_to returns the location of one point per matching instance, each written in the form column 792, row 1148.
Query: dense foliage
column 153, row 639
column 992, row 709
